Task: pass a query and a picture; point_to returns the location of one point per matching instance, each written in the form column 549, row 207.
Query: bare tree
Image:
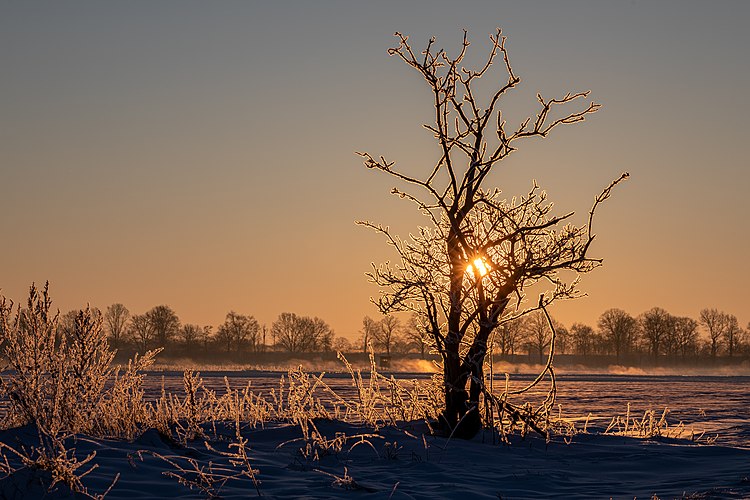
column 238, row 332
column 582, row 338
column 732, row 334
column 298, row 334
column 342, row 344
column 369, row 331
column 116, row 320
column 685, row 335
column 715, row 323
column 656, row 323
column 190, row 336
column 416, row 333
column 386, row 333
column 468, row 271
column 619, row 328
column 205, row 337
column 165, row 324
column 538, row 333
column 509, row 334
column 321, row 334
column 563, row 341
column 142, row 331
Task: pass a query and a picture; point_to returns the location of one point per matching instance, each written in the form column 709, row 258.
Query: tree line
column 655, row 333
column 238, row 335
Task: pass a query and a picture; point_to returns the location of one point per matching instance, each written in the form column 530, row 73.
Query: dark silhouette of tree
column 342, row 344
column 205, row 338
column 142, row 331
column 582, row 338
column 322, row 334
column 116, row 321
column 686, row 336
column 715, row 323
column 732, row 335
column 298, row 334
column 190, row 336
column 562, row 338
column 66, row 323
column 386, row 332
column 538, row 333
column 509, row 335
column 417, row 334
column 656, row 324
column 480, row 251
column 263, row 332
column 369, row 331
column 238, row 332
column 165, row 324
column 619, row 329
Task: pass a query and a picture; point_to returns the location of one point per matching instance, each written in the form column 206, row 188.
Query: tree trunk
column 454, row 377
column 455, row 388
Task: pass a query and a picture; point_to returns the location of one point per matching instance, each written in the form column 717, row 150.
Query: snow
column 346, row 460
column 592, row 465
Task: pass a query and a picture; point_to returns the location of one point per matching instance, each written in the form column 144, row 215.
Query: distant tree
column 263, row 332
column 538, row 333
column 190, row 336
column 369, row 331
column 238, row 332
column 509, row 335
column 342, row 344
column 732, row 335
column 116, row 322
column 582, row 338
column 289, row 332
column 685, row 335
column 298, row 334
column 224, row 338
column 165, row 324
column 204, row 338
column 562, row 338
column 715, row 323
column 255, row 338
column 386, row 333
column 66, row 323
column 656, row 324
column 619, row 328
column 416, row 333
column 142, row 331
column 321, row 335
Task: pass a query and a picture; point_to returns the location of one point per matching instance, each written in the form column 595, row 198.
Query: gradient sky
column 201, row 154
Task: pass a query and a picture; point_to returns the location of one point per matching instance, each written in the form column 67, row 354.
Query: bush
column 64, row 381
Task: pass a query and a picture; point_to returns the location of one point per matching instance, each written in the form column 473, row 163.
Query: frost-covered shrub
column 63, row 380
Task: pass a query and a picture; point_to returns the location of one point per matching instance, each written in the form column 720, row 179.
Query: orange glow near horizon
column 161, row 169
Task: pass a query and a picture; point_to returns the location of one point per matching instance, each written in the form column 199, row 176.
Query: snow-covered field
column 349, row 461
column 393, row 464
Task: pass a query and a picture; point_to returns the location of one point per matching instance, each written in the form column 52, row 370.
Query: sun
column 480, row 265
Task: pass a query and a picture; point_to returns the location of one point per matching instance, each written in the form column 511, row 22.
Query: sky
column 202, row 154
